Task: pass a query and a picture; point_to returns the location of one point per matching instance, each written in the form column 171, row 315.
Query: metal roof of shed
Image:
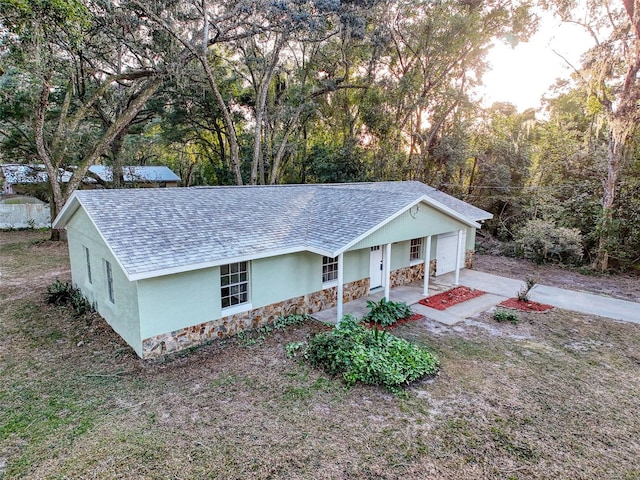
column 19, row 174
column 132, row 174
column 153, row 232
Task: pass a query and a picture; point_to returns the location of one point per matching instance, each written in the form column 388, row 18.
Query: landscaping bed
column 525, row 306
column 444, row 300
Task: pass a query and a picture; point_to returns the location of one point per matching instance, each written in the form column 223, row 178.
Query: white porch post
column 459, row 253
column 427, row 266
column 340, row 286
column 387, row 270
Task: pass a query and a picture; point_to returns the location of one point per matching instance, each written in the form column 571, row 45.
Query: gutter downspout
column 458, row 258
column 427, row 267
column 387, row 270
column 340, row 287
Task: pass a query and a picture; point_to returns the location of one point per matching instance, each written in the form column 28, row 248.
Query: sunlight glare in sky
column 521, row 75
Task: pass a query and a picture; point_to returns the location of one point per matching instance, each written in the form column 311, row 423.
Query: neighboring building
column 137, row 176
column 20, row 179
column 173, row 268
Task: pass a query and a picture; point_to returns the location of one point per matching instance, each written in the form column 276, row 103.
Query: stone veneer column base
column 468, row 259
column 406, row 275
column 187, row 337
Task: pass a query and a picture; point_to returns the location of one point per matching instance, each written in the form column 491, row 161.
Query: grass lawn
column 556, row 396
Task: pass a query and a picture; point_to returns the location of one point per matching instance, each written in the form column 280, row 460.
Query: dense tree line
column 282, row 91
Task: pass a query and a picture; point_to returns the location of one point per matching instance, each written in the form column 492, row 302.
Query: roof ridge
column 299, row 185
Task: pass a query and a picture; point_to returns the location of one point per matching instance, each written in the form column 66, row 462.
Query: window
column 88, row 259
column 329, row 269
column 109, row 281
column 415, row 251
column 234, row 282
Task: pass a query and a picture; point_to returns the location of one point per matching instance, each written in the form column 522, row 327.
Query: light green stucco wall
column 411, row 224
column 274, row 279
column 400, row 255
column 121, row 315
column 279, row 278
column 176, row 301
column 356, row 265
column 471, row 239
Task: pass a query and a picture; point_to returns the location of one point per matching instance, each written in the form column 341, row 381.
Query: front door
column 376, row 268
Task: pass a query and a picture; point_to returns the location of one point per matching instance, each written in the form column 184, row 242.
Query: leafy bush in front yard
column 370, row 356
column 59, row 293
column 542, row 242
column 386, row 312
column 506, row 316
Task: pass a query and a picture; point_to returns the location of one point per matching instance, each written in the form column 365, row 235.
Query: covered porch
column 411, row 294
column 419, row 255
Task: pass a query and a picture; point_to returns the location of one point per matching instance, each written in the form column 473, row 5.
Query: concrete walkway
column 498, row 289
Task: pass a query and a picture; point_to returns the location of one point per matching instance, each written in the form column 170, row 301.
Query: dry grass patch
column 553, row 397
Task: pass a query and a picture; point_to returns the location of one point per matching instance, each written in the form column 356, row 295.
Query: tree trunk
column 261, row 105
column 617, row 137
column 57, row 234
column 60, row 195
column 234, row 149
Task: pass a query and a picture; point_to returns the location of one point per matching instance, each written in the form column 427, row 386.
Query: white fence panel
column 25, row 215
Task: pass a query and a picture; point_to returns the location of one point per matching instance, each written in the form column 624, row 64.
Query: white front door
column 376, row 268
column 446, row 250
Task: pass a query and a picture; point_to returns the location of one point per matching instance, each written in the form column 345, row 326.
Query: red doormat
column 413, row 318
column 516, row 304
column 447, row 299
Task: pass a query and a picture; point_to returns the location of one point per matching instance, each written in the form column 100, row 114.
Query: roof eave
column 426, row 199
column 66, row 213
column 220, row 261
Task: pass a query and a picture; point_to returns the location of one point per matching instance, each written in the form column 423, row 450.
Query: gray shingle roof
column 170, row 230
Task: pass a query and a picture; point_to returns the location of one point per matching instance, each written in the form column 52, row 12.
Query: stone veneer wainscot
column 177, row 340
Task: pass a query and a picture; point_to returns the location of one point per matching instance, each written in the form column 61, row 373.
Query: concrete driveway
column 582, row 302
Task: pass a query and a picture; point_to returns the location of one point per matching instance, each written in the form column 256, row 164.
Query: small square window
column 415, row 251
column 329, row 269
column 234, row 284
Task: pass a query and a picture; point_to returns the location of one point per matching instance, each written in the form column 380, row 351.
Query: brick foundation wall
column 175, row 341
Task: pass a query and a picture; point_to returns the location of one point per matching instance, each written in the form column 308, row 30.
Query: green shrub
column 59, row 293
column 294, row 348
column 506, row 316
column 283, row 322
column 542, row 241
column 386, row 312
column 369, row 356
column 258, row 335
